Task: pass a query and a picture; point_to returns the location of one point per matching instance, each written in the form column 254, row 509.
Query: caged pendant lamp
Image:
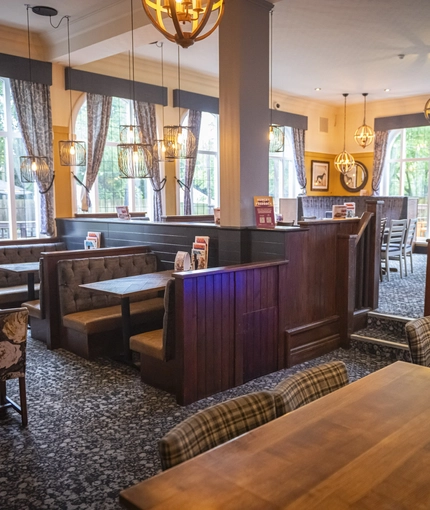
column 344, row 161
column 72, row 152
column 33, row 168
column 134, row 157
column 427, row 110
column 276, row 133
column 179, row 141
column 364, row 135
column 159, row 148
column 189, row 18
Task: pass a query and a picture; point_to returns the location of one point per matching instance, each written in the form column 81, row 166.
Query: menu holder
column 182, row 261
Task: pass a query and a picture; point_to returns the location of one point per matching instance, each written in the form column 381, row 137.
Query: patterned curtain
column 194, row 121
column 33, row 107
column 145, row 117
column 98, row 116
column 299, row 157
column 381, row 138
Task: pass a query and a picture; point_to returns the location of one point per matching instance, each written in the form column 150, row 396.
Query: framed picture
column 319, row 175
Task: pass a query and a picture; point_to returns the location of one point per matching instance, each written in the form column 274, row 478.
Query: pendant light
column 276, row 133
column 33, row 168
column 344, row 161
column 72, row 152
column 427, row 110
column 179, row 141
column 159, row 148
column 134, row 157
column 364, row 135
column 185, row 14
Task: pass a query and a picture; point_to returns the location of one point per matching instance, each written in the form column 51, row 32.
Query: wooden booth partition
column 228, row 328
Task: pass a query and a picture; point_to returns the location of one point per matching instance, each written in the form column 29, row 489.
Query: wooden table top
column 21, row 267
column 131, row 285
column 365, row 446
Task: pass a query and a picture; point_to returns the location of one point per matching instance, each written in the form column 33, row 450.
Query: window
column 407, row 170
column 19, row 204
column 282, row 173
column 205, row 187
column 110, row 190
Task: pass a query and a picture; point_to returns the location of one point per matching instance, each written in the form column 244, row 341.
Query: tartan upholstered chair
column 13, row 341
column 418, row 336
column 214, row 426
column 304, row 387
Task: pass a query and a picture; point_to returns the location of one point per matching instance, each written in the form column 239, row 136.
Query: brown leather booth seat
column 92, row 320
column 13, row 286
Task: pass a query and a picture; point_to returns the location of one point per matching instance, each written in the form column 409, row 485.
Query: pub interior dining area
column 213, row 255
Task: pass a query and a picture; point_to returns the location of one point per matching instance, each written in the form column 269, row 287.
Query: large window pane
column 395, row 179
column 396, row 149
column 2, row 106
column 25, row 194
column 418, row 142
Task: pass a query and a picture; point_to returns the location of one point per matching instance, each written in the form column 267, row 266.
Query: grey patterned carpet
column 94, row 426
column 404, row 296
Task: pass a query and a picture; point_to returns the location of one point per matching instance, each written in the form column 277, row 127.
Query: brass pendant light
column 33, row 168
column 72, row 152
column 344, row 161
column 185, row 14
column 364, row 135
column 427, row 110
column 134, row 157
column 276, row 133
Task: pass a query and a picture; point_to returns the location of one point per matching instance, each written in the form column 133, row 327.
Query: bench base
column 159, row 374
column 39, row 328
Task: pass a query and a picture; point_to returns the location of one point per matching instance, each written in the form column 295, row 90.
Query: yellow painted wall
column 62, row 182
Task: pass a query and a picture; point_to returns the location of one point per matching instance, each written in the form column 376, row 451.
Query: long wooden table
column 29, row 268
column 125, row 288
column 366, row 447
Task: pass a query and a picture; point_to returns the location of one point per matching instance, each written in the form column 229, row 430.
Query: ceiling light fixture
column 191, row 14
column 276, row 133
column 364, row 135
column 427, row 110
column 134, row 157
column 33, row 168
column 179, row 141
column 344, row 161
column 159, row 148
column 72, row 152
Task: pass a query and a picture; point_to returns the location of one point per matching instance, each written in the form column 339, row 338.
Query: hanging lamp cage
column 35, row 169
column 159, row 150
column 179, row 142
column 134, row 160
column 186, row 20
column 427, row 110
column 364, row 135
column 72, row 153
column 276, row 139
column 344, row 161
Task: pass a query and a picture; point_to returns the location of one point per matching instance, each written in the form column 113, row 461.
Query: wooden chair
column 408, row 244
column 13, row 342
column 214, row 426
column 382, row 235
column 392, row 248
column 418, row 336
column 309, row 385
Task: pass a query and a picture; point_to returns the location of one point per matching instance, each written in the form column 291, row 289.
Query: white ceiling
column 338, row 45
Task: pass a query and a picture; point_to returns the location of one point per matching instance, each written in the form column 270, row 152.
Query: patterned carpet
column 94, row 426
column 404, row 296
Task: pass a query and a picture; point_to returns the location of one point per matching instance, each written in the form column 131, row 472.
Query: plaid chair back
column 418, row 336
column 309, row 385
column 13, row 341
column 214, row 426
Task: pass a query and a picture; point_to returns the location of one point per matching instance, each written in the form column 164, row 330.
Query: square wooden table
column 365, row 446
column 125, row 288
column 24, row 267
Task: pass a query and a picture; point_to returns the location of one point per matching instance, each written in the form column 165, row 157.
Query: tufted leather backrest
column 74, row 272
column 14, row 254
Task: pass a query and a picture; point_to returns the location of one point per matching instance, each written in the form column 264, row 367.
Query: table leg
column 126, row 327
column 30, row 286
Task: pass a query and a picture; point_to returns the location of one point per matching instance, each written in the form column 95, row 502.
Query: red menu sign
column 264, row 213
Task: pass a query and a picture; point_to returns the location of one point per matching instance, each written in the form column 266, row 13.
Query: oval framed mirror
column 355, row 179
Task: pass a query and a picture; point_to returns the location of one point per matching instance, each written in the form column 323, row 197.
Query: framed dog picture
column 319, row 175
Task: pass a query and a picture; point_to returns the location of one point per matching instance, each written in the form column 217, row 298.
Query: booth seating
column 13, row 286
column 92, row 321
column 157, row 348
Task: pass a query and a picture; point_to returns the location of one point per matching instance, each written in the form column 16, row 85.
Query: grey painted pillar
column 244, row 113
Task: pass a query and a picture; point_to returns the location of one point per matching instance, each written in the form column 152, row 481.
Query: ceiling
column 337, row 45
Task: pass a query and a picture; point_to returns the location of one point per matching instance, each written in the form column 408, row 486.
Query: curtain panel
column 381, row 139
column 194, row 122
column 98, row 116
column 33, row 107
column 299, row 156
column 146, row 118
